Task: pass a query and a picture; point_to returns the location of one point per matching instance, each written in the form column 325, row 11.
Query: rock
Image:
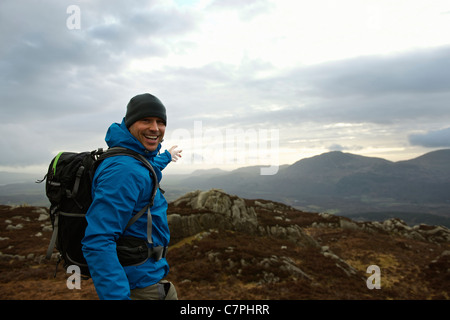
column 220, row 210
column 16, row 227
column 289, row 266
column 47, row 228
column 348, row 224
column 43, row 216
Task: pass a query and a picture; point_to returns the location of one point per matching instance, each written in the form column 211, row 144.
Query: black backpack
column 68, row 187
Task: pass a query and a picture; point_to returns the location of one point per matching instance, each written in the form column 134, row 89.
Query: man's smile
column 151, row 137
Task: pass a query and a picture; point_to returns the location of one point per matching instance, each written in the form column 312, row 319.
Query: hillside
column 251, row 249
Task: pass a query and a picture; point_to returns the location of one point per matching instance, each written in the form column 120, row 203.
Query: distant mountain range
column 343, row 183
column 335, row 182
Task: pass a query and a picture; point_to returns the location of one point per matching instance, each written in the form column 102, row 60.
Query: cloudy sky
column 245, row 82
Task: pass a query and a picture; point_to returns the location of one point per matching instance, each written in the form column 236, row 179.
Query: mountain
column 321, row 175
column 224, row 247
column 344, row 183
column 16, row 177
column 436, row 160
column 23, row 193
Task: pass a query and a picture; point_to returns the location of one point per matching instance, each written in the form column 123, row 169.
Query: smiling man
column 121, row 187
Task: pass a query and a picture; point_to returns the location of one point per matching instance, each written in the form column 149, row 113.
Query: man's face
column 149, row 131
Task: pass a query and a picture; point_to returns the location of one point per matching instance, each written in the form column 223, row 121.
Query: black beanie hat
column 142, row 106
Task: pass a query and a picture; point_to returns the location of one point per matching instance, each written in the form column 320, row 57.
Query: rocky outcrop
column 436, row 234
column 208, row 210
column 215, row 209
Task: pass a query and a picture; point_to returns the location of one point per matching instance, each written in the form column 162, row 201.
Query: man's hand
column 176, row 154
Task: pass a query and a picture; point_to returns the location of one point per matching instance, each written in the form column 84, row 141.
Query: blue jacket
column 121, row 187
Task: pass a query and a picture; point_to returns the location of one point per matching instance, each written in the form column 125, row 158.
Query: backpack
column 68, row 187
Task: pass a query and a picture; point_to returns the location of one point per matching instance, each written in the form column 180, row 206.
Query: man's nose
column 153, row 125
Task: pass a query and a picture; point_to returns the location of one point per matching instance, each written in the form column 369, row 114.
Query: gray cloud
column 62, row 88
column 418, row 71
column 380, row 90
column 313, row 97
column 431, row 139
column 375, row 89
column 48, row 70
column 341, row 91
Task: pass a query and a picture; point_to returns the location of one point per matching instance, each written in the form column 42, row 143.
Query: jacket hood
column 118, row 135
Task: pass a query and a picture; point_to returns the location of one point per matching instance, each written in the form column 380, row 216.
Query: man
column 121, row 187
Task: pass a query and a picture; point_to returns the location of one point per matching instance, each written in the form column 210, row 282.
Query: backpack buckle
column 157, row 253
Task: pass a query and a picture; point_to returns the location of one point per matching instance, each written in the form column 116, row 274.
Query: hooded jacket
column 121, row 187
